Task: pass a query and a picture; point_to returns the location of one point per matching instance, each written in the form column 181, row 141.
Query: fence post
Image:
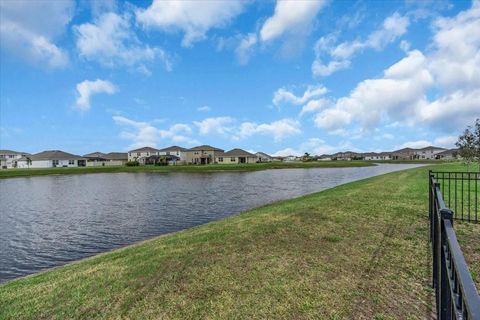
column 445, row 311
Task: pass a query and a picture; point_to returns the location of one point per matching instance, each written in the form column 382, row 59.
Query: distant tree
column 476, row 133
column 306, row 157
column 469, row 144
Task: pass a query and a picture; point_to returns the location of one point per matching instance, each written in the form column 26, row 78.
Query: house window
column 130, row 154
column 232, row 159
column 168, row 153
column 55, row 162
column 220, row 159
column 138, row 154
column 70, row 162
column 196, row 152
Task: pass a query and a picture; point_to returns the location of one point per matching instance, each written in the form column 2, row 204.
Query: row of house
column 427, row 153
column 57, row 158
column 200, row 155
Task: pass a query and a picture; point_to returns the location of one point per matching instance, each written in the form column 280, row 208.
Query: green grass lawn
column 10, row 173
column 357, row 251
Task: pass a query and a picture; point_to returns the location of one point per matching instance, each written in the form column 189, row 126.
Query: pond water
column 51, row 220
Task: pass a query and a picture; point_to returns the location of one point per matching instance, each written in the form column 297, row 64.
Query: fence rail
column 455, row 291
column 461, row 193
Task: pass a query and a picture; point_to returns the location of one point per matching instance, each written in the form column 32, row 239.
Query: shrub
column 132, row 164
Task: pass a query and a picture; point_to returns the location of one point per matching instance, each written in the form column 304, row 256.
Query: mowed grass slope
column 357, row 251
column 11, row 173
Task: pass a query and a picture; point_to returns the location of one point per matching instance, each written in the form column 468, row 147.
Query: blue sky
column 282, row 77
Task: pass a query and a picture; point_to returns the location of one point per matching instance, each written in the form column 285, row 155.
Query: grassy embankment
column 10, row 173
column 357, row 251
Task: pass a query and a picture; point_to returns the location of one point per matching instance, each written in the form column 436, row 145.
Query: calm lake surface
column 52, row 220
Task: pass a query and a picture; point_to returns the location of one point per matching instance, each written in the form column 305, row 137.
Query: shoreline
column 16, row 173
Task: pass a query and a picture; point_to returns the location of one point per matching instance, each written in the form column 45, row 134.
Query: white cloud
column 245, row 48
column 290, row 16
column 392, row 28
column 446, row 141
column 283, row 95
column 323, row 70
column 279, row 129
column 111, row 41
column 332, row 119
column 87, row 88
column 452, row 111
column 204, row 109
column 145, row 134
column 217, row 125
column 194, row 18
column 315, row 105
column 398, row 95
column 25, row 31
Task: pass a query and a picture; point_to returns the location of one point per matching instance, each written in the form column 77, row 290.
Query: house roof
column 145, row 149
column 52, row 155
column 263, row 154
column 12, row 152
column 96, row 154
column 431, row 148
column 404, row 150
column 449, row 151
column 174, row 148
column 205, row 147
column 116, row 156
column 238, row 153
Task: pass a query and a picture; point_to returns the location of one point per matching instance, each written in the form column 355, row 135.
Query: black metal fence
column 461, row 193
column 455, row 291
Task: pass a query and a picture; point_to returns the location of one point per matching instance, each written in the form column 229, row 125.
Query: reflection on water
column 51, row 220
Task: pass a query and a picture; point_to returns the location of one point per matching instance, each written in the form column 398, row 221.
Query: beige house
column 51, row 159
column 142, row 153
column 203, row 154
column 100, row 159
column 235, row 156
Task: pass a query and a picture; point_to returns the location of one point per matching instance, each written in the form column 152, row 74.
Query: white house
column 372, row 156
column 9, row 158
column 263, row 157
column 176, row 151
column 290, row 158
column 145, row 152
column 51, row 159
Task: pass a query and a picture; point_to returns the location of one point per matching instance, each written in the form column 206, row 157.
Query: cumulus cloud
column 86, row 89
column 26, row 32
column 216, row 125
column 284, row 95
column 339, row 55
column 110, row 40
column 193, row 18
column 142, row 134
column 315, row 105
column 279, row 129
column 290, row 16
column 440, row 89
